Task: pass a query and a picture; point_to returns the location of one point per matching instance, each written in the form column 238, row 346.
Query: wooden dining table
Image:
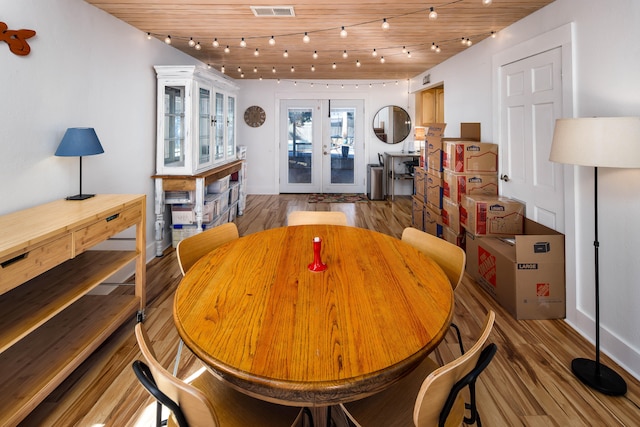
column 259, row 319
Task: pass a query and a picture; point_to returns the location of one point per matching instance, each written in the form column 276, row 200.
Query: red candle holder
column 317, row 264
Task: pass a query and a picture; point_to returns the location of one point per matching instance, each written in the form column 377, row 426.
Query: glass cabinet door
column 174, row 122
column 204, row 127
column 219, row 127
column 231, row 126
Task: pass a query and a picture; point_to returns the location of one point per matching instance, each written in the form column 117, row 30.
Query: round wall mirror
column 392, row 124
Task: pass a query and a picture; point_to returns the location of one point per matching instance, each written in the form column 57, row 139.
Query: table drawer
column 22, row 266
column 106, row 227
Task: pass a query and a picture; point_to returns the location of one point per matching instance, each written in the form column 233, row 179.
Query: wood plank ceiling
column 406, row 45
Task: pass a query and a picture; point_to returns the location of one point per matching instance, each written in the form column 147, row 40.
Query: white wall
column 85, row 69
column 606, row 64
column 261, row 142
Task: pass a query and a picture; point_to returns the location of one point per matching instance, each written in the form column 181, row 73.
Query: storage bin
column 182, row 231
column 220, row 186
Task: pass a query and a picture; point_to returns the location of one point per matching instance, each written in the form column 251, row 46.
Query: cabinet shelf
column 33, row 368
column 25, row 308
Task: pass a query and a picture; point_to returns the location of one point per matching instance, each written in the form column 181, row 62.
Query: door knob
column 504, row 178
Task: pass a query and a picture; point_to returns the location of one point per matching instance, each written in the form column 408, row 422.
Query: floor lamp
column 612, row 142
column 78, row 142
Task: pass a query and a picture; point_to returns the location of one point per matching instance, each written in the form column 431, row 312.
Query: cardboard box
column 419, row 183
column 454, row 237
column 526, row 274
column 433, row 147
column 492, row 216
column 451, row 216
column 182, row 214
column 460, row 156
column 417, row 213
column 470, row 131
column 432, row 222
column 455, row 185
column 434, row 191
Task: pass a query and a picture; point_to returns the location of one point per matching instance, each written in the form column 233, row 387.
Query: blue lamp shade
column 78, row 142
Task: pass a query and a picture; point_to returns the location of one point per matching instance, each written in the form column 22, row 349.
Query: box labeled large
column 526, row 274
column 459, row 156
column 492, row 216
column 455, row 185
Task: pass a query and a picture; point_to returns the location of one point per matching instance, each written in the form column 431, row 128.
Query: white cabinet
column 196, row 120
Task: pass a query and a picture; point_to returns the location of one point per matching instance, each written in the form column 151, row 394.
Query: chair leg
column 455, row 327
column 178, row 354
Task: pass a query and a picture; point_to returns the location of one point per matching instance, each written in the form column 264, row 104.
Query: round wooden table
column 258, row 318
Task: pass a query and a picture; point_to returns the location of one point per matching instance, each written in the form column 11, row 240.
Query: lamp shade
column 612, row 142
column 79, row 142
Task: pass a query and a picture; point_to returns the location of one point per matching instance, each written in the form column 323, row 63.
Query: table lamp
column 612, row 142
column 79, row 142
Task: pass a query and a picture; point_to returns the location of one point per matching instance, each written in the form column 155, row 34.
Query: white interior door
column 322, row 146
column 530, row 103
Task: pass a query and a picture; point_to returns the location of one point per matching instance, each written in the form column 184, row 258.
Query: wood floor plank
column 529, row 382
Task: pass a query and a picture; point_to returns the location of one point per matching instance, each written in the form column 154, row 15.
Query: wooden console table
column 48, row 323
column 192, row 183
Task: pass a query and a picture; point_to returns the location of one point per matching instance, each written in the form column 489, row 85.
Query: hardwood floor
column 529, row 383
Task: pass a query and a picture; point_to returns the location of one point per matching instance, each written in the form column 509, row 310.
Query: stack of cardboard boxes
column 517, row 261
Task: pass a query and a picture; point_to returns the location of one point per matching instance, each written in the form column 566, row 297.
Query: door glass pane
column 231, row 126
column 300, row 140
column 174, row 126
column 342, row 145
column 220, row 126
column 204, row 126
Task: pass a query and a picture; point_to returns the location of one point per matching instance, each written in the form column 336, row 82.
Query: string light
column 358, row 63
column 404, row 49
column 438, row 49
column 243, row 43
column 273, row 70
column 433, row 46
column 469, row 42
column 222, row 69
column 313, row 68
column 242, row 75
column 272, row 41
column 334, row 66
column 256, row 52
column 226, row 49
column 285, row 53
column 315, row 54
column 293, row 69
column 374, row 53
column 486, row 2
column 343, row 33
column 433, row 14
column 255, row 69
column 345, row 55
column 382, row 59
column 385, row 24
column 148, row 36
column 493, row 34
column 408, row 54
column 167, row 40
column 197, row 46
column 215, row 43
column 239, row 69
column 306, row 38
column 191, row 42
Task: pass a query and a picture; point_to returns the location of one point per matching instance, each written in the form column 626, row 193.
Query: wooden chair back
column 191, row 249
column 195, row 405
column 436, row 388
column 317, row 217
column 448, row 256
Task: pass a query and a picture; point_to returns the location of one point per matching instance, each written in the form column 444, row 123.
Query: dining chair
column 451, row 258
column 317, row 217
column 430, row 395
column 191, row 249
column 194, row 247
column 207, row 400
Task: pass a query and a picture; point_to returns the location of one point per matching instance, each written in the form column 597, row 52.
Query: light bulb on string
column 382, row 59
column 486, row 2
column 334, row 66
column 463, row 41
column 226, row 49
column 242, row 75
column 239, row 69
column 315, row 54
column 255, row 69
column 167, row 40
column 493, row 34
column 148, row 36
column 260, row 78
column 469, row 42
column 438, row 49
column 293, row 69
column 408, row 54
column 374, row 53
column 343, row 33
column 404, row 49
column 345, row 55
column 313, row 68
column 198, row 46
column 272, row 41
column 256, row 52
column 215, row 43
column 243, row 43
column 306, row 38
column 273, row 70
column 385, row 24
column 222, row 69
column 358, row 63
column 433, row 14
column 285, row 53
column 191, row 42
column 433, row 46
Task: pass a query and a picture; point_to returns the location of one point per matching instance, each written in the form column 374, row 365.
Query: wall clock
column 254, row 116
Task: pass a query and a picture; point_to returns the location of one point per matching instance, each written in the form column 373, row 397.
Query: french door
column 322, row 146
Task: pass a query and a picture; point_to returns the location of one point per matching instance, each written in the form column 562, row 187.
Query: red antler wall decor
column 16, row 39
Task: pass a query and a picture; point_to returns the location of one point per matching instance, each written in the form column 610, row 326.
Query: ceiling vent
column 279, row 11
